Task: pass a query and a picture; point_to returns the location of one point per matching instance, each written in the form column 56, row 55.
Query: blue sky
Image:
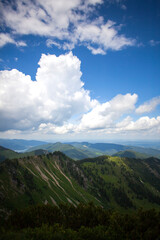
column 80, row 70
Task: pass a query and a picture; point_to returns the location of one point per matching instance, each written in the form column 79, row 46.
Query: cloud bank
column 58, row 103
column 65, row 24
column 55, row 96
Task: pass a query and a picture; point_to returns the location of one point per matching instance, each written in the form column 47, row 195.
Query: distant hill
column 131, row 154
column 100, row 148
column 19, row 144
column 149, row 151
column 68, row 149
column 81, row 150
column 76, row 150
column 146, row 144
column 6, row 153
column 110, row 149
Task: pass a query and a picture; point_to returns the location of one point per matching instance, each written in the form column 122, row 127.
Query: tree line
column 86, row 221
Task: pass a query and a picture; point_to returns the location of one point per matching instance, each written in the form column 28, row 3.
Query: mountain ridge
column 112, row 182
column 19, row 144
column 86, row 149
column 68, row 149
column 79, row 150
column 41, row 179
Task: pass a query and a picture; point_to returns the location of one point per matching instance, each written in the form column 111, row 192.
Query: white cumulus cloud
column 55, row 96
column 142, row 124
column 104, row 115
column 70, row 22
column 57, row 103
column 103, row 35
column 148, row 106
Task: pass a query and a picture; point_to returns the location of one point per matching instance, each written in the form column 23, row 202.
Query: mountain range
column 118, row 183
column 80, row 150
column 19, row 144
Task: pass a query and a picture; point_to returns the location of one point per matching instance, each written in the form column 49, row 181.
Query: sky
column 80, row 70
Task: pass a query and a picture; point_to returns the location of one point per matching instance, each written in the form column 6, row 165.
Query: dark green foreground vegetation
column 118, row 187
column 46, row 222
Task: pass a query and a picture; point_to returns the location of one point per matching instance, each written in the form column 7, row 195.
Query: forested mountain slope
column 50, row 178
column 111, row 182
column 124, row 182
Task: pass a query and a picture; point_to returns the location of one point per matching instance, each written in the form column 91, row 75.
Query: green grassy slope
column 131, row 154
column 41, row 179
column 124, row 183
